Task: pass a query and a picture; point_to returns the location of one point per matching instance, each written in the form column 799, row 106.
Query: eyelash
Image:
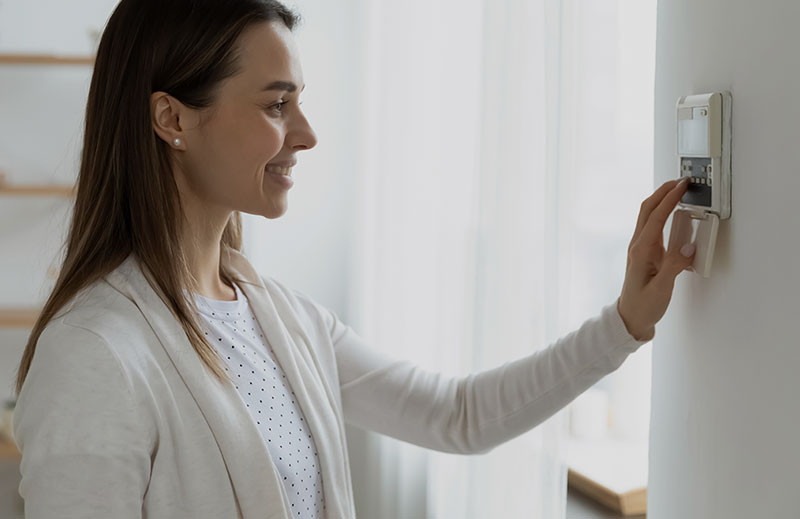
column 281, row 104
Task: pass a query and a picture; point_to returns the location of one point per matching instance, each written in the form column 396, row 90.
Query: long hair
column 127, row 201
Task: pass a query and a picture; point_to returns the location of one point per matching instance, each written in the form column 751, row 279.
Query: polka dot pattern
column 233, row 329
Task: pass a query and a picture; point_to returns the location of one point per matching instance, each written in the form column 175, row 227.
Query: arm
column 84, row 452
column 474, row 414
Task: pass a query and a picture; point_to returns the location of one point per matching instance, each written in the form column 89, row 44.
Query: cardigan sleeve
column 475, row 413
column 84, row 454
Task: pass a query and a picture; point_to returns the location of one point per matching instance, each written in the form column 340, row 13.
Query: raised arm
column 475, row 413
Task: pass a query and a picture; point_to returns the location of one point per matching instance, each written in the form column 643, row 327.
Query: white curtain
column 469, row 194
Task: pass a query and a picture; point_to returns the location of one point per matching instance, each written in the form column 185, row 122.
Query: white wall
column 725, row 414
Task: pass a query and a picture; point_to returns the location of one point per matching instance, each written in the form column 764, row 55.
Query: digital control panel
column 704, row 157
column 704, row 136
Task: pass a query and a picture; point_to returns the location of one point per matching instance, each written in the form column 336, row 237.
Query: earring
column 176, row 142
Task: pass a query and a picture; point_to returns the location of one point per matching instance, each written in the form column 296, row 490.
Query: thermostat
column 703, row 123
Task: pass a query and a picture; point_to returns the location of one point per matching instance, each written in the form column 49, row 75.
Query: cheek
column 236, row 151
column 248, row 142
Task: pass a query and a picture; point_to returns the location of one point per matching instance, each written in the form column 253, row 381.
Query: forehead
column 267, row 52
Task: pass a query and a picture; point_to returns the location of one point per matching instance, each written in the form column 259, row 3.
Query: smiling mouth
column 278, row 170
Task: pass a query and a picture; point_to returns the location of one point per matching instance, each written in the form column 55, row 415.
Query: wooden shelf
column 8, row 450
column 62, row 191
column 44, row 59
column 7, row 189
column 612, row 473
column 632, row 502
column 18, row 317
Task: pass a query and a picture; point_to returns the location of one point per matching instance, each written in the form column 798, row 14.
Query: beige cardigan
column 119, row 418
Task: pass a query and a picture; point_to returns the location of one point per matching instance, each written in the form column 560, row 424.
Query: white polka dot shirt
column 233, row 329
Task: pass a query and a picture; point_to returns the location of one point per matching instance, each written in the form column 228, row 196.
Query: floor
column 11, row 506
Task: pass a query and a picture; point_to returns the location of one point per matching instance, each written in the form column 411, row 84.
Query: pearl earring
column 176, row 142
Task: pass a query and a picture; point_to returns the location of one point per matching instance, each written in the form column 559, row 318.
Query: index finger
column 653, row 230
column 650, row 204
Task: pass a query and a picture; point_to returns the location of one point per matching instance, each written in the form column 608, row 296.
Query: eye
column 278, row 105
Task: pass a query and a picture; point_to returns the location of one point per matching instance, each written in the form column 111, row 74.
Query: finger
column 674, row 263
column 650, row 204
column 653, row 231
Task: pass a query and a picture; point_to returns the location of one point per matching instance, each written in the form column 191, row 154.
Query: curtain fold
column 462, row 226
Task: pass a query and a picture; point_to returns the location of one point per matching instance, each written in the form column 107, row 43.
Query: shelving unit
column 26, row 317
column 39, row 59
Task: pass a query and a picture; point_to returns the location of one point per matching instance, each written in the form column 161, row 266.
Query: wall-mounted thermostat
column 703, row 124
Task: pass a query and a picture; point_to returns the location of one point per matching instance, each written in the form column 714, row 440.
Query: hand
column 650, row 273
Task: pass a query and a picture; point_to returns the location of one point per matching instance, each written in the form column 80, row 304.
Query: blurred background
column 477, row 181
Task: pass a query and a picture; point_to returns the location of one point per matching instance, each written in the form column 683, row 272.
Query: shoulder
column 299, row 302
column 73, row 369
column 89, row 336
column 289, row 302
column 107, row 315
column 93, row 354
column 70, row 355
column 98, row 342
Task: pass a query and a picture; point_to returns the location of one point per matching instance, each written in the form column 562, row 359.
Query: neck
column 202, row 235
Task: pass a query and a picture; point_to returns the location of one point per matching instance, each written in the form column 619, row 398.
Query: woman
column 166, row 378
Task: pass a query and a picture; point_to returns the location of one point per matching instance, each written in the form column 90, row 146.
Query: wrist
column 638, row 333
column 646, row 335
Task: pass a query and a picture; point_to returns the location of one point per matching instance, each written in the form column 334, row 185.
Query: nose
column 303, row 136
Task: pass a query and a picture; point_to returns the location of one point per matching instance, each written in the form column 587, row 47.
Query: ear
column 171, row 119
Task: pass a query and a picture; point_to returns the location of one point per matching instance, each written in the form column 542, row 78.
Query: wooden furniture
column 613, row 473
column 34, row 189
column 632, row 502
column 18, row 317
column 44, row 59
column 39, row 59
column 25, row 317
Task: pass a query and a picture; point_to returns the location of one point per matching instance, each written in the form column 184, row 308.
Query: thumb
column 676, row 262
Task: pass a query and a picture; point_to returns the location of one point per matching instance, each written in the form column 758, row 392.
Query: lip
column 289, row 164
column 284, row 180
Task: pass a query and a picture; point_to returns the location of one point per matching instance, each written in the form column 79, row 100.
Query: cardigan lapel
column 295, row 353
column 256, row 482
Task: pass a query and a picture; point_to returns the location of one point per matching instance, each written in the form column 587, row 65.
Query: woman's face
column 225, row 160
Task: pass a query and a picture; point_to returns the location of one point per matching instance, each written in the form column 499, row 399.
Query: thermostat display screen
column 693, row 131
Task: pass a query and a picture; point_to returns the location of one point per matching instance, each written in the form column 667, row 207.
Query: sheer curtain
column 470, row 190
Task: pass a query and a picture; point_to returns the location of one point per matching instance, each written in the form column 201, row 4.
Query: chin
column 267, row 210
column 274, row 211
column 273, row 216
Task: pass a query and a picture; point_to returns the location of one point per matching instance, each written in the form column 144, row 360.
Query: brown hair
column 127, row 200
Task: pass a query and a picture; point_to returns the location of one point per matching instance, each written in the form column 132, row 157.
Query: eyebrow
column 282, row 85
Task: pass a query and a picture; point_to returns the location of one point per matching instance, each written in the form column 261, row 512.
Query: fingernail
column 687, row 250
